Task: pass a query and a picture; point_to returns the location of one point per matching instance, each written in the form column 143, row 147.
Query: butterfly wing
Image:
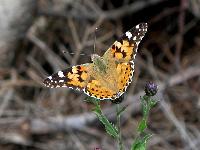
column 123, row 53
column 120, row 60
column 125, row 75
column 80, row 77
column 125, row 48
column 99, row 88
column 75, row 77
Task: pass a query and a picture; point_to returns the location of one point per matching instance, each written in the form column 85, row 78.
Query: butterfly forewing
column 125, row 48
column 75, row 77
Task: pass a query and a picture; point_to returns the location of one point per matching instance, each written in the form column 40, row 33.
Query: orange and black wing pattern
column 125, row 48
column 75, row 77
column 117, row 75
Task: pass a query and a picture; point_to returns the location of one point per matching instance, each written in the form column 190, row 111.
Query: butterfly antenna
column 95, row 37
column 71, row 53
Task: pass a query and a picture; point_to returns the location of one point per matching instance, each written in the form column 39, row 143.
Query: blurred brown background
column 38, row 38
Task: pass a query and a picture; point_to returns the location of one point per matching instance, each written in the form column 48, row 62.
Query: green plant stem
column 145, row 108
column 140, row 142
column 120, row 144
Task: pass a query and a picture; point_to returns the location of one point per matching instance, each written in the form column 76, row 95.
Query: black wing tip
column 143, row 24
column 46, row 82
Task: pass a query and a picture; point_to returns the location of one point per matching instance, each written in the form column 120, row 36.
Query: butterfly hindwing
column 97, row 90
column 125, row 74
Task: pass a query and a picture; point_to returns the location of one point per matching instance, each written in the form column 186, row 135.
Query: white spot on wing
column 50, row 77
column 137, row 27
column 128, row 34
column 137, row 43
column 134, row 56
column 60, row 74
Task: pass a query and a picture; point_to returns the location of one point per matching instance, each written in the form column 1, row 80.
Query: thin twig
column 112, row 14
column 170, row 115
column 6, row 100
column 179, row 42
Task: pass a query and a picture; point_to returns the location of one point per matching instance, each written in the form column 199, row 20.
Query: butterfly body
column 100, row 64
column 107, row 77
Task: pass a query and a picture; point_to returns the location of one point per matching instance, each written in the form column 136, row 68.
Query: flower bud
column 151, row 89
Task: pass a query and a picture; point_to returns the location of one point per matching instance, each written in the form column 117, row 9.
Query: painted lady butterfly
column 107, row 77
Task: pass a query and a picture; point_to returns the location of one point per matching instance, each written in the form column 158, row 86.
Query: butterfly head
column 94, row 57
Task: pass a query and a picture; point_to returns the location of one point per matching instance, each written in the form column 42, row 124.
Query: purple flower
column 151, row 88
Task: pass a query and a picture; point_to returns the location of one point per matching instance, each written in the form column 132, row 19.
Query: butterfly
column 108, row 76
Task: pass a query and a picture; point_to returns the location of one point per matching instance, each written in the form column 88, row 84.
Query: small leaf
column 141, row 143
column 142, row 125
column 91, row 100
column 122, row 110
column 153, row 103
column 138, row 145
column 146, row 98
column 110, row 128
